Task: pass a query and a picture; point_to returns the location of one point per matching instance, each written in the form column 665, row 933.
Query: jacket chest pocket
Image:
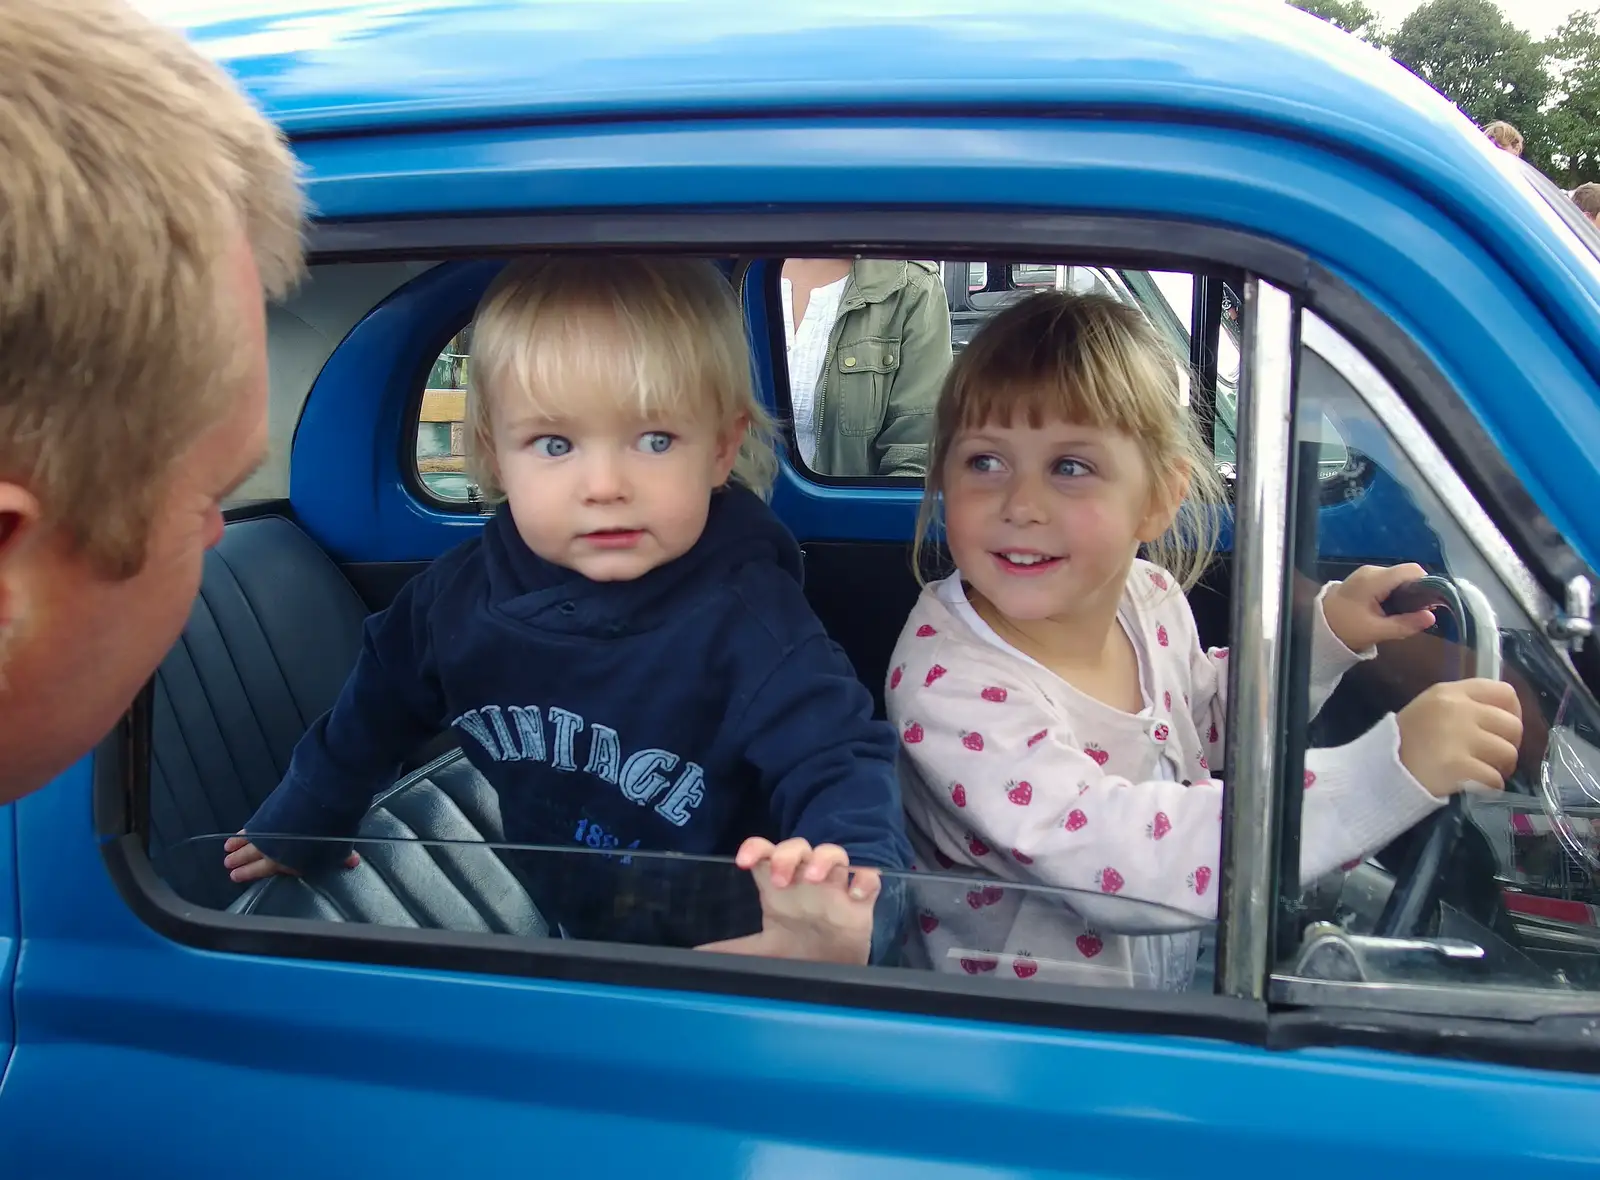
column 864, row 371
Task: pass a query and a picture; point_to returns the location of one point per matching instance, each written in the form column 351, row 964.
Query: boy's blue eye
column 551, row 446
column 1071, row 467
column 655, row 442
column 984, row 464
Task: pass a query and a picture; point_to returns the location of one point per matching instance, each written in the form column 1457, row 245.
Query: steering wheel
column 1461, row 607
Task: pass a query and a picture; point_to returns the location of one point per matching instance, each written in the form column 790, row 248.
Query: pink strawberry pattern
column 925, row 631
column 928, row 922
column 1166, row 701
column 976, row 846
column 1076, row 820
column 913, row 734
column 1204, row 765
column 1160, row 826
column 895, row 677
column 1162, row 733
column 1200, row 881
column 1101, row 757
column 1161, row 634
column 934, row 673
column 944, row 861
column 958, row 795
column 1311, row 779
column 1037, row 738
column 992, row 894
column 1211, row 734
column 979, row 966
column 1089, row 944
column 1021, row 794
column 1025, row 967
column 1109, row 880
column 1159, row 579
column 992, row 693
column 1021, row 858
column 972, row 741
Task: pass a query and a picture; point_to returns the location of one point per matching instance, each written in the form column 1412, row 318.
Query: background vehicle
column 1418, row 378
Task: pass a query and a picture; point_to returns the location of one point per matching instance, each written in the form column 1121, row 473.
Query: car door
column 408, row 1048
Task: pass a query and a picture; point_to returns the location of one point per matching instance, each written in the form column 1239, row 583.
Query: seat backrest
column 462, row 885
column 272, row 635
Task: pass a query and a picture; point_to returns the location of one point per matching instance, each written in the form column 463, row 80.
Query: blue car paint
column 183, row 1061
column 178, row 1062
column 10, row 935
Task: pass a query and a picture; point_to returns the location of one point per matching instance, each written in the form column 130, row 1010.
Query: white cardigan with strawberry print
column 1009, row 772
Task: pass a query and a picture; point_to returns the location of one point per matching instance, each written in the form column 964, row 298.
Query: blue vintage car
column 1393, row 336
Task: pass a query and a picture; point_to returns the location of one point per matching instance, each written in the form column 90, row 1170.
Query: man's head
column 148, row 208
column 1505, row 136
column 1587, row 198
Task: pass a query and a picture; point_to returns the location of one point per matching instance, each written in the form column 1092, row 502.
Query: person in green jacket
column 868, row 348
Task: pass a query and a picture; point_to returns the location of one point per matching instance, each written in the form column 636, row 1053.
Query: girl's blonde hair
column 655, row 335
column 1095, row 361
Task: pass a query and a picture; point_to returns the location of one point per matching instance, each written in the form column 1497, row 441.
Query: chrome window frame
column 1411, row 438
column 1268, row 353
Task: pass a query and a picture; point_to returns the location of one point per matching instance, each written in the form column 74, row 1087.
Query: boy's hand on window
column 245, row 862
column 1354, row 607
column 813, row 905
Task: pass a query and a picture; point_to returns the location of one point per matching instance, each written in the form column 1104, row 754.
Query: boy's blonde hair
column 1091, row 360
column 659, row 335
column 1505, row 136
column 131, row 164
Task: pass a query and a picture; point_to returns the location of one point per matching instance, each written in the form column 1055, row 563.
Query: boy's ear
column 1166, row 497
column 728, row 444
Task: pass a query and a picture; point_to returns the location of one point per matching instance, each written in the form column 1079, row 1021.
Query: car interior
column 278, row 624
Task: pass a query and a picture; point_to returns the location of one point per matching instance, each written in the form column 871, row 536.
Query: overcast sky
column 1539, row 17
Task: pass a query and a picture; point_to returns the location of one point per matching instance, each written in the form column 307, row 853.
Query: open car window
column 928, row 921
column 1487, row 904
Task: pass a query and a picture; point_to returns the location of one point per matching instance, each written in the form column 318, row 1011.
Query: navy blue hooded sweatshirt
column 682, row 711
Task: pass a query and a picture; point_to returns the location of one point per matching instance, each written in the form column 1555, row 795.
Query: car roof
column 370, row 64
column 344, row 67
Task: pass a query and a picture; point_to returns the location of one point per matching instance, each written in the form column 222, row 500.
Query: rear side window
column 441, row 466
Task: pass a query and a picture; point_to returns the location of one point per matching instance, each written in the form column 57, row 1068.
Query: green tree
column 1573, row 118
column 1470, row 53
column 1350, row 15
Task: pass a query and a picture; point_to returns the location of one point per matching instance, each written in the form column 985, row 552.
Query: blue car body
column 127, row 1052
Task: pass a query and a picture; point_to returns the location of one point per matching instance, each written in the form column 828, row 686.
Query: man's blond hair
column 1587, row 198
column 129, row 164
column 1505, row 136
column 651, row 335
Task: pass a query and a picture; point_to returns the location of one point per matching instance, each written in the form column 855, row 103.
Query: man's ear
column 728, row 444
column 1166, row 497
column 19, row 525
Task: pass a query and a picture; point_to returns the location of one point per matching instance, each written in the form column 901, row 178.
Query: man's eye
column 551, row 446
column 655, row 442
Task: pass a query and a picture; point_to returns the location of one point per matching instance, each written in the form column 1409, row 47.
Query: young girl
column 1059, row 723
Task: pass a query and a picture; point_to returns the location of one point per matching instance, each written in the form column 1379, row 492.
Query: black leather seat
column 273, row 634
column 401, row 882
column 271, row 637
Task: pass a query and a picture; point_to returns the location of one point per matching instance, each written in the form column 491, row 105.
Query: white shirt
column 808, row 351
column 1009, row 773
